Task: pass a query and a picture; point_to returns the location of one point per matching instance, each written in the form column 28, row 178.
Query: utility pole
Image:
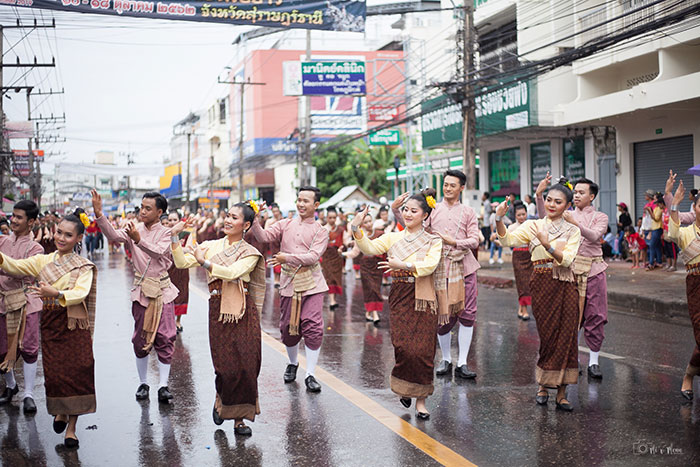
column 188, row 125
column 468, row 111
column 242, row 84
column 305, row 176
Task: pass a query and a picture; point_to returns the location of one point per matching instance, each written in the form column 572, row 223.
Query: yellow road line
column 401, row 427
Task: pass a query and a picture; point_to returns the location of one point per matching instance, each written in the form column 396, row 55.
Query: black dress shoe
column 59, row 426
column 243, row 430
column 311, row 384
column 565, row 406
column 164, row 396
column 71, row 443
column 405, row 401
column 542, row 399
column 290, row 374
column 142, row 392
column 423, row 415
column 444, row 368
column 688, row 394
column 594, row 372
column 29, row 406
column 215, row 415
column 525, row 317
column 8, row 394
column 464, row 372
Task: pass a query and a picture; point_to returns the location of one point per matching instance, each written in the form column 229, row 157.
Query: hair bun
column 429, row 191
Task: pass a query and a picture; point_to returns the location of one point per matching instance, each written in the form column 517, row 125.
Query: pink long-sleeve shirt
column 460, row 222
column 302, row 242
column 19, row 248
column 593, row 225
column 154, row 245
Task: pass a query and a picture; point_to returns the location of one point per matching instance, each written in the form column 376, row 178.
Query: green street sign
column 441, row 122
column 385, row 138
column 506, row 109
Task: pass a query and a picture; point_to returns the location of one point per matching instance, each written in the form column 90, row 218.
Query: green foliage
column 356, row 164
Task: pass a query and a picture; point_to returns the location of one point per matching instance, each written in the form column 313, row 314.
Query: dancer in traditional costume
column 152, row 293
column 688, row 239
column 68, row 288
column 19, row 311
column 522, row 265
column 302, row 242
column 236, row 276
column 179, row 277
column 553, row 245
column 371, row 275
column 458, row 226
column 413, row 255
column 332, row 260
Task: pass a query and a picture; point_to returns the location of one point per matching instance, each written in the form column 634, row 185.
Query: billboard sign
column 338, row 115
column 329, row 15
column 385, row 138
column 441, row 123
column 382, row 113
column 344, row 78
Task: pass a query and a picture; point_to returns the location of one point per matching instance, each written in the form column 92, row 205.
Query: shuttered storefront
column 652, row 161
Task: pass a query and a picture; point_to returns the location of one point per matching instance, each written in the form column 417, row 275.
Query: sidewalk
column 656, row 294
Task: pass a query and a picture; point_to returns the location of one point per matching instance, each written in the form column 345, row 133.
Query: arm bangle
column 551, row 250
column 60, row 295
column 174, row 239
column 206, row 264
column 674, row 207
column 354, row 228
column 499, row 218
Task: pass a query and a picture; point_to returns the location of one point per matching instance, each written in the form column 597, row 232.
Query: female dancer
column 236, row 276
column 370, row 274
column 688, row 239
column 553, row 244
column 179, row 277
column 332, row 261
column 68, row 288
column 522, row 264
column 413, row 257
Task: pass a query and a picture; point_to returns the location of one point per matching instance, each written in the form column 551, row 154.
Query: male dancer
column 152, row 294
column 458, row 226
column 588, row 266
column 19, row 317
column 302, row 286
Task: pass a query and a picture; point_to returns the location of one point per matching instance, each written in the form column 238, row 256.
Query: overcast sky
column 127, row 81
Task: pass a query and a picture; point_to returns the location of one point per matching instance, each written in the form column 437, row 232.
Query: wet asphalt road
column 490, row 421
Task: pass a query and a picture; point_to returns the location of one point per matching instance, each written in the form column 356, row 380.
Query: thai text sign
column 331, row 15
column 385, row 138
column 382, row 113
column 441, row 122
column 333, row 78
column 506, row 109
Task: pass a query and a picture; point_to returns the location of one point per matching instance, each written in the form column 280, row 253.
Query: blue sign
column 271, row 147
column 333, row 78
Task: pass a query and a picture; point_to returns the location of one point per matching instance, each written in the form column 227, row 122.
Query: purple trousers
column 467, row 316
column 30, row 342
column 310, row 322
column 164, row 343
column 595, row 312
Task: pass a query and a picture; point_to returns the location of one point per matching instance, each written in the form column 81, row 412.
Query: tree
column 334, row 170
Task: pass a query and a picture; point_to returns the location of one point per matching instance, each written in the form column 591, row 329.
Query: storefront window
column 540, row 163
column 504, row 173
column 574, row 158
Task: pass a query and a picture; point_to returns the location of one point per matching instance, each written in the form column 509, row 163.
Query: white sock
column 293, row 354
column 10, row 379
column 142, row 368
column 29, row 378
column 311, row 360
column 445, row 342
column 593, row 359
column 465, row 341
column 164, row 373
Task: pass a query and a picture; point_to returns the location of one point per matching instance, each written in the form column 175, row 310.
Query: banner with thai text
column 330, row 15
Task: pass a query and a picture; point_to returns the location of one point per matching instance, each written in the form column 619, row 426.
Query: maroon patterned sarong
column 522, row 269
column 236, row 352
column 332, row 267
column 69, row 366
column 555, row 306
column 692, row 285
column 180, row 279
column 413, row 335
column 371, row 278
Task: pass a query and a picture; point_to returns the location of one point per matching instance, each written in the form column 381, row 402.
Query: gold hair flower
column 431, row 201
column 253, row 205
column 84, row 219
column 569, row 186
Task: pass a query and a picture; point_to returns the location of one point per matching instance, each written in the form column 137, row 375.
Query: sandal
column 563, row 404
column 542, row 397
